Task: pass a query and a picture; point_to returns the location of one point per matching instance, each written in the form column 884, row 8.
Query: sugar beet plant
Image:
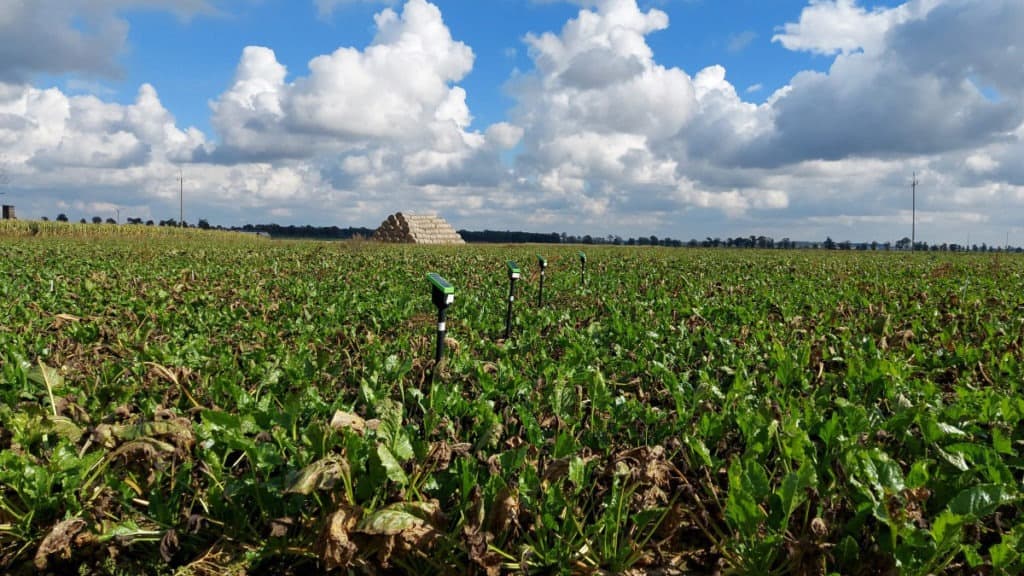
column 217, row 407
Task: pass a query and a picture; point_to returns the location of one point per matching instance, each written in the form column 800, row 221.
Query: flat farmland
column 211, row 404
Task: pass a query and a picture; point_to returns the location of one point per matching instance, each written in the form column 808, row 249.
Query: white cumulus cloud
column 48, row 130
column 842, row 26
column 610, row 130
column 394, row 105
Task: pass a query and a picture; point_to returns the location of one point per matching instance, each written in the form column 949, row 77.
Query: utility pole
column 913, row 214
column 117, row 211
column 181, row 197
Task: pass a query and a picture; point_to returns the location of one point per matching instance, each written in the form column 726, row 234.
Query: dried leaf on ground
column 334, row 548
column 347, row 421
column 60, row 542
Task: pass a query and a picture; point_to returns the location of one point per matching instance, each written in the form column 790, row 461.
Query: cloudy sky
column 682, row 118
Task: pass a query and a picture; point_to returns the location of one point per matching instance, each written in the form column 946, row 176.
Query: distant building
column 9, row 212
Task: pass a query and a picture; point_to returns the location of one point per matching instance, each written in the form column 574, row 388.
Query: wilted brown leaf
column 441, row 454
column 280, row 527
column 59, row 542
column 477, row 543
column 504, row 513
column 320, row 475
column 399, row 517
column 60, row 320
column 348, row 421
column 402, row 529
column 333, row 546
column 169, row 545
column 556, row 470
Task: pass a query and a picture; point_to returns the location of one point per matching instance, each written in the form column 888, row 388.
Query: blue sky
column 191, row 60
column 682, row 118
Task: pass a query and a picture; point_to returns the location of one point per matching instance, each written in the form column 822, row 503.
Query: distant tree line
column 509, row 237
column 518, row 237
column 903, row 245
column 310, row 232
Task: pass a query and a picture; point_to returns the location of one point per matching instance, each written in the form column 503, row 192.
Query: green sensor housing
column 513, row 270
column 443, row 291
column 440, row 283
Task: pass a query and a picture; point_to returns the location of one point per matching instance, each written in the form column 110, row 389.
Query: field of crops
column 208, row 405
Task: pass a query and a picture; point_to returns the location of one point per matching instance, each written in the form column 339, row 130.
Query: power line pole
column 181, row 197
column 913, row 214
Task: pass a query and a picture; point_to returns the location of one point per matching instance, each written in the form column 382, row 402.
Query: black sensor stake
column 583, row 269
column 543, row 266
column 443, row 295
column 513, row 275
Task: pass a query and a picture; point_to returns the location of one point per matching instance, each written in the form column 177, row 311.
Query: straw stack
column 417, row 229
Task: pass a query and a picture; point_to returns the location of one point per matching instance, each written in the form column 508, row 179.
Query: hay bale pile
column 417, row 229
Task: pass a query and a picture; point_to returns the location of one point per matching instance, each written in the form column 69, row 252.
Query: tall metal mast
column 913, row 214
